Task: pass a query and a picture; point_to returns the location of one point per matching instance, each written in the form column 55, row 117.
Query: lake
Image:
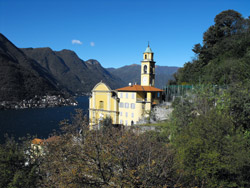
column 37, row 121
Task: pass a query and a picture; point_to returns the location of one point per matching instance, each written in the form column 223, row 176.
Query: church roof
column 148, row 50
column 139, row 88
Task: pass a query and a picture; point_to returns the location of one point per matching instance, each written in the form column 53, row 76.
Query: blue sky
column 114, row 32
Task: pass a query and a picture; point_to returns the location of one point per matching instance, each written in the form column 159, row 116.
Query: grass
column 158, row 124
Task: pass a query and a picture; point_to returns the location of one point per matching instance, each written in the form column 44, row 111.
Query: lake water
column 40, row 122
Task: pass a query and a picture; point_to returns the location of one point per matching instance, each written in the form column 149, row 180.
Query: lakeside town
column 39, row 102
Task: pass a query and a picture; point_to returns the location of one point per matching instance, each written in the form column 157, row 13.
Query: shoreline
column 47, row 101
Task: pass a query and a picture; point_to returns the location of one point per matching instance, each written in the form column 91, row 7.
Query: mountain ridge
column 70, row 71
column 20, row 76
column 132, row 74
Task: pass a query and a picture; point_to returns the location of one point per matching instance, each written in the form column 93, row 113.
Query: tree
column 223, row 58
column 236, row 103
column 16, row 169
column 113, row 158
column 213, row 153
column 228, row 23
column 197, row 49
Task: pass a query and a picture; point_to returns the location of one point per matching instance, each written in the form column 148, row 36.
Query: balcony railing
column 142, row 100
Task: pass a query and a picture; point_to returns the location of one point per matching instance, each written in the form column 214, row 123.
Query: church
column 127, row 105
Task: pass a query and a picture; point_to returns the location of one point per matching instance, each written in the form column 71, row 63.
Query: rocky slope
column 70, row 71
column 20, row 76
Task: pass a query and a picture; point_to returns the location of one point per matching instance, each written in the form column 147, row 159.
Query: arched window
column 132, row 122
column 101, row 105
column 145, row 69
column 145, row 56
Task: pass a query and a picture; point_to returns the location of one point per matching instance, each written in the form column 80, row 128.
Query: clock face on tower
column 144, row 80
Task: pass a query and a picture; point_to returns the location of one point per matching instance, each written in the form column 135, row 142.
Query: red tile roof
column 139, row 88
column 42, row 141
column 37, row 141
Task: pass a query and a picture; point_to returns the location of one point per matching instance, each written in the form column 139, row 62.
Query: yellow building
column 129, row 104
column 136, row 101
column 102, row 103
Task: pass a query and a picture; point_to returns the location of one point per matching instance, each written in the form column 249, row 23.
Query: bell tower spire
column 148, row 68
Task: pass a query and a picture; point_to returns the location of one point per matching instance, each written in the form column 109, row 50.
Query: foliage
column 213, row 153
column 236, row 102
column 209, row 130
column 107, row 121
column 224, row 56
column 111, row 158
column 16, row 169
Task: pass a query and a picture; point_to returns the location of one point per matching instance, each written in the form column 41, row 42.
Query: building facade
column 129, row 104
column 102, row 103
column 137, row 101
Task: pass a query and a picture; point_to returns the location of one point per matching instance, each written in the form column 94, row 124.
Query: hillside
column 20, row 76
column 132, row 74
column 70, row 71
column 224, row 56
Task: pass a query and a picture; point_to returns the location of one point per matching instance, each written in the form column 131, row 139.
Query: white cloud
column 92, row 44
column 76, row 42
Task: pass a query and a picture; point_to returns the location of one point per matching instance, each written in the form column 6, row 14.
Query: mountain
column 132, row 74
column 20, row 76
column 70, row 71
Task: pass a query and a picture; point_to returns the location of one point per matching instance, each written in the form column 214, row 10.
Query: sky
column 114, row 32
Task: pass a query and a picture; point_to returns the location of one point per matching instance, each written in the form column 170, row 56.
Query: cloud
column 76, row 42
column 92, row 44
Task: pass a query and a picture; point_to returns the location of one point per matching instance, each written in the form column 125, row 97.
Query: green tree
column 208, row 130
column 213, row 153
column 223, row 58
column 236, row 103
column 16, row 168
column 228, row 23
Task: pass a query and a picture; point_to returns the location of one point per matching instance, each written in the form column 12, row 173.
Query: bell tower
column 148, row 68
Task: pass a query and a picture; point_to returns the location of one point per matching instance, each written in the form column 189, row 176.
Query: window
column 145, row 69
column 120, row 113
column 126, row 95
column 120, row 121
column 133, row 95
column 132, row 114
column 158, row 94
column 132, row 106
column 132, row 122
column 126, row 122
column 126, row 105
column 120, row 95
column 121, row 105
column 101, row 105
column 145, row 56
column 126, row 114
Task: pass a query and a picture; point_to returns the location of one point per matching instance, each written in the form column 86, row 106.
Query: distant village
column 39, row 102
